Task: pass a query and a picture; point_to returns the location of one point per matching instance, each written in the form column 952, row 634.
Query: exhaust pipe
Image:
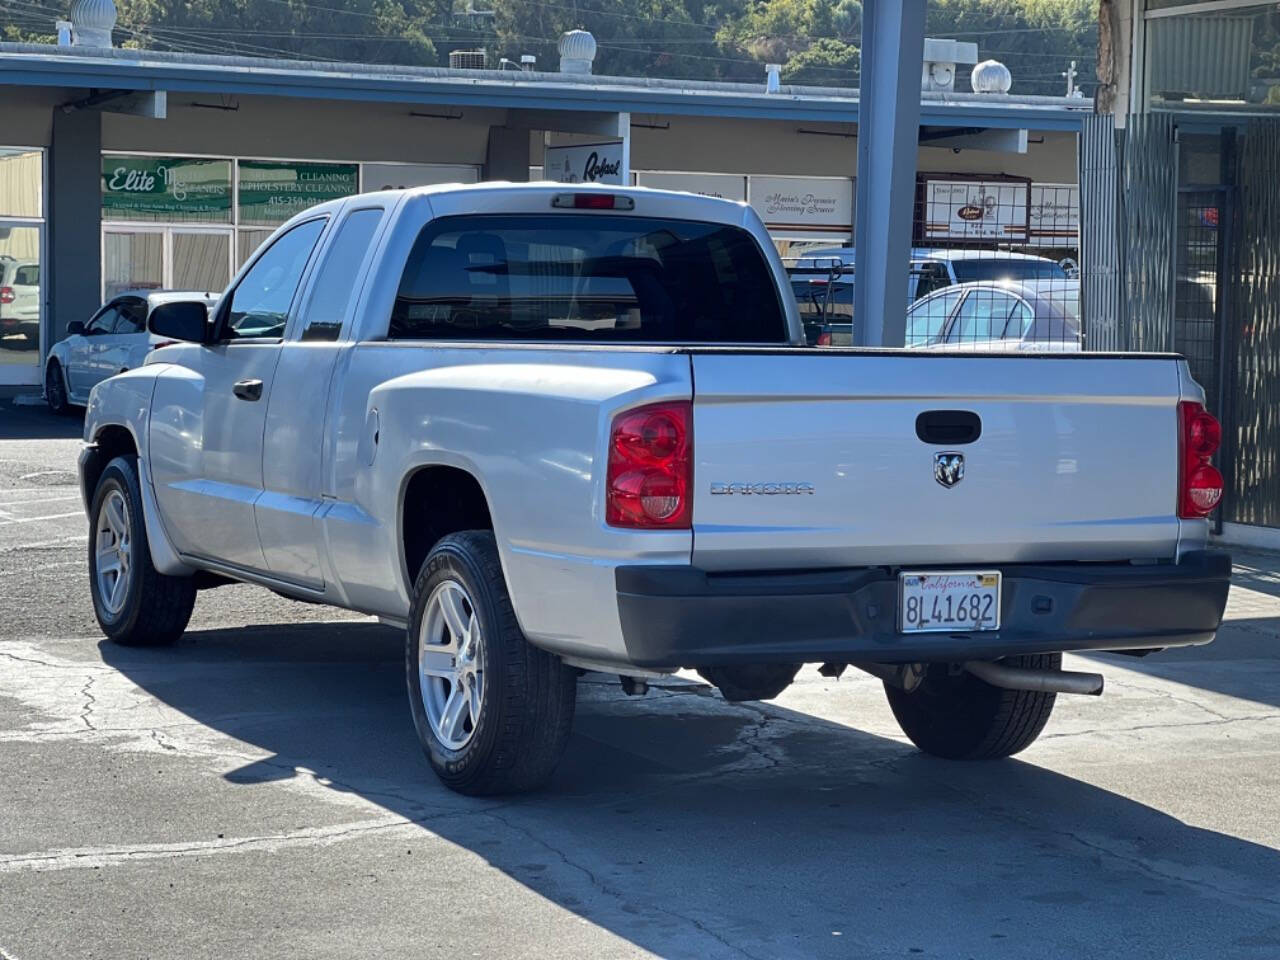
column 1041, row 681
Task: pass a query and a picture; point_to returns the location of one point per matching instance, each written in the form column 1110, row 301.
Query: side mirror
column 181, row 320
column 75, row 328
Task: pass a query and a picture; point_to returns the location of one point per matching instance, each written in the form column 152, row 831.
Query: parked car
column 114, row 340
column 930, row 271
column 20, row 300
column 1002, row 315
column 475, row 412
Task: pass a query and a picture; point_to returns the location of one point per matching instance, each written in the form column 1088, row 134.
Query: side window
column 133, row 315
column 982, row 316
column 27, row 276
column 926, row 318
column 104, row 322
column 260, row 303
column 335, row 286
column 1021, row 321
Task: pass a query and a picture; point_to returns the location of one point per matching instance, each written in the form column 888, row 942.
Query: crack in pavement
column 614, row 893
column 1135, row 861
column 90, row 700
column 42, row 663
column 1162, row 726
column 99, row 857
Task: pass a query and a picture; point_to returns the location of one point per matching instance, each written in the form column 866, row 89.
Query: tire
column 956, row 716
column 149, row 609
column 508, row 736
column 55, row 389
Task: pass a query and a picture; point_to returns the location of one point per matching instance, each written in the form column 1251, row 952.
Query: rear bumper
column 680, row 616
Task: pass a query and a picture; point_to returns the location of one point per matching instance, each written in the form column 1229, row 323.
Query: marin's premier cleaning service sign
column 584, row 163
column 271, row 193
column 823, row 203
column 166, row 188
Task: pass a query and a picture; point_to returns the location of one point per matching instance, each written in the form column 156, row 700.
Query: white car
column 20, row 299
column 113, row 341
column 544, row 429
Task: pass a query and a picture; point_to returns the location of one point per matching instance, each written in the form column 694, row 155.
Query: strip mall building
column 125, row 169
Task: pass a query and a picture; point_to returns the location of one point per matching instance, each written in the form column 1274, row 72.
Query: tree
column 826, row 62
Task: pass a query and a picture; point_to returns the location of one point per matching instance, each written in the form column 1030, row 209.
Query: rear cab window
column 587, row 277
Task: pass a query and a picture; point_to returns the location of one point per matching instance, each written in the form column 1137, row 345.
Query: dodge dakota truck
column 548, row 429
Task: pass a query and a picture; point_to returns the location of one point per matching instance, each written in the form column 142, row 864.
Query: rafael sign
column 586, row 163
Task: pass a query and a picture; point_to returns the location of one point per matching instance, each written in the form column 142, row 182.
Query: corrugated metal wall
column 1149, row 227
column 1100, row 264
column 1128, row 221
column 1200, row 56
column 1254, row 323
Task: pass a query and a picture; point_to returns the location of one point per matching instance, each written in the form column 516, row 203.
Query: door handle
column 248, row 389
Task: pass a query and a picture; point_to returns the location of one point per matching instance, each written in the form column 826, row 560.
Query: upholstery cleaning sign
column 172, row 189
column 271, row 192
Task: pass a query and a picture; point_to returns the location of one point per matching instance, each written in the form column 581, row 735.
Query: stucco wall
column 740, row 146
column 302, row 129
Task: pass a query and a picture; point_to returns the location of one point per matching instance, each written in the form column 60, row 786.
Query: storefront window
column 166, row 189
column 189, row 222
column 132, row 260
column 1213, row 59
column 21, row 268
column 271, row 192
column 21, row 182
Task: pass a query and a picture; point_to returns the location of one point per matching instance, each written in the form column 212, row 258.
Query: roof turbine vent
column 991, row 76
column 577, row 52
column 91, row 22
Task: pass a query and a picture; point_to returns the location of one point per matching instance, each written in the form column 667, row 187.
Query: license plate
column 966, row 600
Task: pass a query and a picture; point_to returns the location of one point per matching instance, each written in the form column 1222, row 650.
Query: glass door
column 21, row 299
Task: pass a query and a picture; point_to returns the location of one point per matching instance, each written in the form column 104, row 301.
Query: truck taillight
column 1199, row 482
column 649, row 482
column 7, row 295
column 824, row 338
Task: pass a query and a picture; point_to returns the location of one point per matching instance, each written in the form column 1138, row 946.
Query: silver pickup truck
column 547, row 429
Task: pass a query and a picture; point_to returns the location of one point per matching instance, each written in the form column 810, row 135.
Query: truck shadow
column 691, row 827
column 1217, row 667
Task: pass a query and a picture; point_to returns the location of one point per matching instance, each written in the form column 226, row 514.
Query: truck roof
column 525, row 197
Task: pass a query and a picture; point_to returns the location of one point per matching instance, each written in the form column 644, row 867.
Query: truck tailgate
column 808, row 459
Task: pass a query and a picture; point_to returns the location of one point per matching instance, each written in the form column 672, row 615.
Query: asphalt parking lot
column 257, row 791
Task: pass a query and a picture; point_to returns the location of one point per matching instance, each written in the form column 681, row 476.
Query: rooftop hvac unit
column 468, row 59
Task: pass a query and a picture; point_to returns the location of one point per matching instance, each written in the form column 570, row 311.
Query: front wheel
column 491, row 711
column 136, row 605
column 954, row 715
column 55, row 389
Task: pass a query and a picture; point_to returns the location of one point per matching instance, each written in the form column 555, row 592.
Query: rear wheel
column 55, row 388
column 136, row 605
column 492, row 712
column 953, row 714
